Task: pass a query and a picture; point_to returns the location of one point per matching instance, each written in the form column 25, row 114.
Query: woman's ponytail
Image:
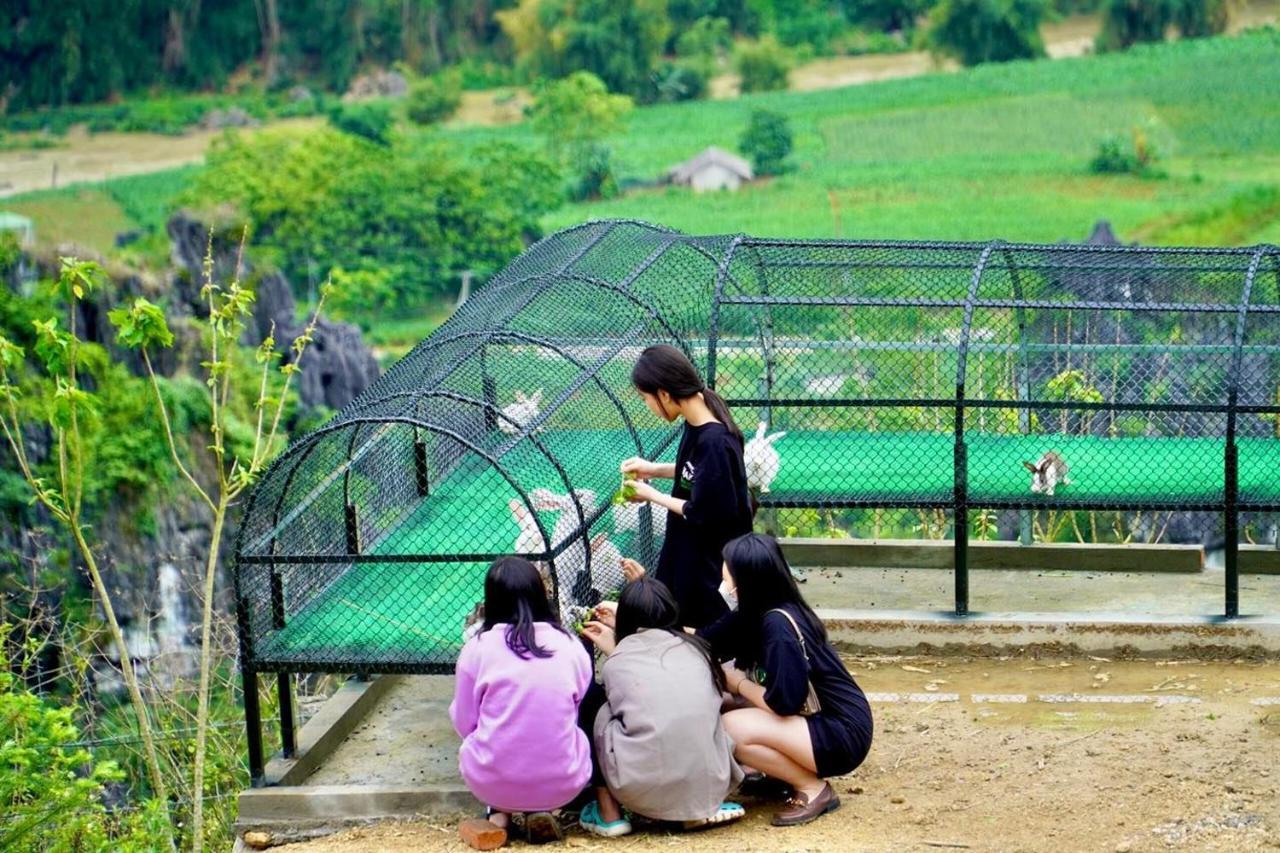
column 720, row 409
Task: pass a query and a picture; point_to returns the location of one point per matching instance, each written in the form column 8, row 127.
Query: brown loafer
column 803, row 811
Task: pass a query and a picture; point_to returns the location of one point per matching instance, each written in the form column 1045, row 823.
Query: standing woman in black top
column 779, row 647
column 709, row 503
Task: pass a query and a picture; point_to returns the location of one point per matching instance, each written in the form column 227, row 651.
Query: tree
column 433, row 99
column 371, row 120
column 68, row 414
column 617, row 40
column 1128, row 22
column 764, row 66
column 573, row 113
column 886, row 15
column 1201, row 18
column 767, row 141
column 977, row 31
column 142, row 326
column 705, row 44
column 414, row 212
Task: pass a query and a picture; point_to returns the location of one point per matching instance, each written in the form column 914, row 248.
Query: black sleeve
column 785, row 665
column 724, row 635
column 712, row 502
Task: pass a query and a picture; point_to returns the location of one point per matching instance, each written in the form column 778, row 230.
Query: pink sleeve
column 582, row 659
column 464, row 711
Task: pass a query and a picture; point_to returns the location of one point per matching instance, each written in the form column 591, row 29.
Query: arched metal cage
column 905, row 374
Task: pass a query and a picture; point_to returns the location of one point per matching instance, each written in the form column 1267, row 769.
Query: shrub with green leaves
column 977, row 31
column 1134, row 154
column 50, row 786
column 433, row 99
column 764, row 66
column 414, row 214
column 767, row 141
column 371, row 120
column 1129, row 22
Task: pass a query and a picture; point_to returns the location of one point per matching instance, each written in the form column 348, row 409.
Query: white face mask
column 729, row 594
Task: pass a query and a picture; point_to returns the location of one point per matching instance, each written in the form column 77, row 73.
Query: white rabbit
column 761, row 459
column 518, row 415
column 529, row 540
column 571, row 564
column 1047, row 473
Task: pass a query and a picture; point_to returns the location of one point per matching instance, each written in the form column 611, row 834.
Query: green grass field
column 996, row 151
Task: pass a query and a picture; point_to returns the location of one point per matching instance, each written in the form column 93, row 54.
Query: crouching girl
column 515, row 706
column 659, row 743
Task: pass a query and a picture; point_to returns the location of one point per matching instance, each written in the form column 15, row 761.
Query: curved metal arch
column 533, row 341
column 713, row 328
column 596, row 282
column 314, row 439
column 1237, row 338
column 966, row 326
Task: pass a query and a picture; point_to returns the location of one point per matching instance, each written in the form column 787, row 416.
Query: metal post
column 353, row 529
column 253, row 724
column 288, row 730
column 421, row 475
column 961, row 517
column 1231, row 528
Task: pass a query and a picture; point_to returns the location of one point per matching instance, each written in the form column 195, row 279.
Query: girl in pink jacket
column 515, row 706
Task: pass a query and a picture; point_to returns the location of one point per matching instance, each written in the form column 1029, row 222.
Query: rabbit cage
column 904, row 374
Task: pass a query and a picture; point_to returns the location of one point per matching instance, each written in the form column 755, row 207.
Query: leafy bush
column 763, row 66
column 313, row 196
column 767, row 141
column 617, row 40
column 887, row 15
column 1120, row 155
column 1128, row 22
column 977, row 31
column 51, row 787
column 595, row 175
column 705, row 44
column 1201, row 18
column 679, row 81
column 434, row 99
column 371, row 120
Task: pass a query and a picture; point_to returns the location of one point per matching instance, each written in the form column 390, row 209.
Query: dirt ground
column 1013, row 754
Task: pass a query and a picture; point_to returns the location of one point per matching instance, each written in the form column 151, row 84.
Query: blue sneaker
column 591, row 822
column 727, row 813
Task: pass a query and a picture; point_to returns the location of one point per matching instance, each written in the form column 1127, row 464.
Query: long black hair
column 764, row 582
column 663, row 367
column 646, row 603
column 515, row 595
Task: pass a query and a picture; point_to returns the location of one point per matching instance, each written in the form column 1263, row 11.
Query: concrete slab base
column 1122, row 634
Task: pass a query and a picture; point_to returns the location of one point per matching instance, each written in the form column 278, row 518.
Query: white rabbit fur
column 517, row 415
column 761, row 459
column 1047, row 473
column 626, row 516
column 606, row 559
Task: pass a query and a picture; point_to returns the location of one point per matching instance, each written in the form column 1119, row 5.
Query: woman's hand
column 642, row 491
column 733, row 678
column 600, row 634
column 606, row 613
column 642, row 468
column 631, row 570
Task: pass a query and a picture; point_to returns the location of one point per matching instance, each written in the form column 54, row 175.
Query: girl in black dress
column 780, row 647
column 709, row 503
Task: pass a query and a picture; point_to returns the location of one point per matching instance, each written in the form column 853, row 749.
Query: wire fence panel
column 901, row 388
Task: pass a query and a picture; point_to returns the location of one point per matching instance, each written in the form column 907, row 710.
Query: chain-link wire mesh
column 929, row 378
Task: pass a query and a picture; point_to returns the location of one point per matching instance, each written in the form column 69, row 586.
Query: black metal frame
column 720, row 277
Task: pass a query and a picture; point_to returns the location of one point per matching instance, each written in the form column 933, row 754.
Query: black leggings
column 592, row 702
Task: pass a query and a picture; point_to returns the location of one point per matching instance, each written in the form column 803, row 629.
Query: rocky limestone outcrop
column 337, row 366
